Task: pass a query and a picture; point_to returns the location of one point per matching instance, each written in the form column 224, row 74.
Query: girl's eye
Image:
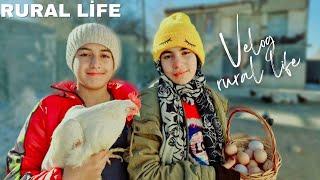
column 83, row 54
column 166, row 57
column 185, row 52
column 105, row 56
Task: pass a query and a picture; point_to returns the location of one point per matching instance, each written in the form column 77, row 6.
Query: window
column 277, row 28
column 278, row 24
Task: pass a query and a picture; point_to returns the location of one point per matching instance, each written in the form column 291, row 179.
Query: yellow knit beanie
column 177, row 31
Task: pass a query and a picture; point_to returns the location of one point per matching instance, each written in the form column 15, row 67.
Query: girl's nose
column 176, row 62
column 95, row 62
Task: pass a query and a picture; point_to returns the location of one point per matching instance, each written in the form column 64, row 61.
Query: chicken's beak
column 138, row 114
column 133, row 111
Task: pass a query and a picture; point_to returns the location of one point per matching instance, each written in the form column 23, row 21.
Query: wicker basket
column 269, row 143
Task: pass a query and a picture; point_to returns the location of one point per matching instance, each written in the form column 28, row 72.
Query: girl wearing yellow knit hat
column 180, row 133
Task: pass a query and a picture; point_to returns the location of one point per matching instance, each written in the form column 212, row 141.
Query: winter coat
column 146, row 162
column 25, row 158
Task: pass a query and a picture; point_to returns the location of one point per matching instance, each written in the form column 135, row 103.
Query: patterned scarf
column 174, row 126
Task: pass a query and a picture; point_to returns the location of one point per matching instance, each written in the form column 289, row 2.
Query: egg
column 241, row 169
column 254, row 170
column 268, row 165
column 254, row 145
column 243, row 158
column 252, row 163
column 240, row 149
column 260, row 155
column 231, row 149
column 249, row 152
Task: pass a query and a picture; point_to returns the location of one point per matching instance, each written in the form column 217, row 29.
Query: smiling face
column 179, row 64
column 93, row 66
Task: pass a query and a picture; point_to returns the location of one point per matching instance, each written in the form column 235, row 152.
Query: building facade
column 285, row 21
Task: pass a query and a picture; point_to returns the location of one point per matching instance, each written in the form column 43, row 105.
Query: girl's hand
column 90, row 169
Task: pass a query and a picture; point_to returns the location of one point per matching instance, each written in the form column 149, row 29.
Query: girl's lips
column 179, row 73
column 94, row 74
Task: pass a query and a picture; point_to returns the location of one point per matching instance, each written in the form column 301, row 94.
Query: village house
column 285, row 21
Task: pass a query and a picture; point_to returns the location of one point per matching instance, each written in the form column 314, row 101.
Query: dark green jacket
column 145, row 161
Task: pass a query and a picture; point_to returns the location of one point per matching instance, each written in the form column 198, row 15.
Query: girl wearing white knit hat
column 93, row 54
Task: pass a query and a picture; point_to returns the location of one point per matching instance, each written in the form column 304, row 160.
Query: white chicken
column 86, row 131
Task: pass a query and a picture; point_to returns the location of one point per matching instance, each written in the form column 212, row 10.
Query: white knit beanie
column 93, row 33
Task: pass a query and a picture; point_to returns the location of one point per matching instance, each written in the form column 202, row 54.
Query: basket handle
column 266, row 126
